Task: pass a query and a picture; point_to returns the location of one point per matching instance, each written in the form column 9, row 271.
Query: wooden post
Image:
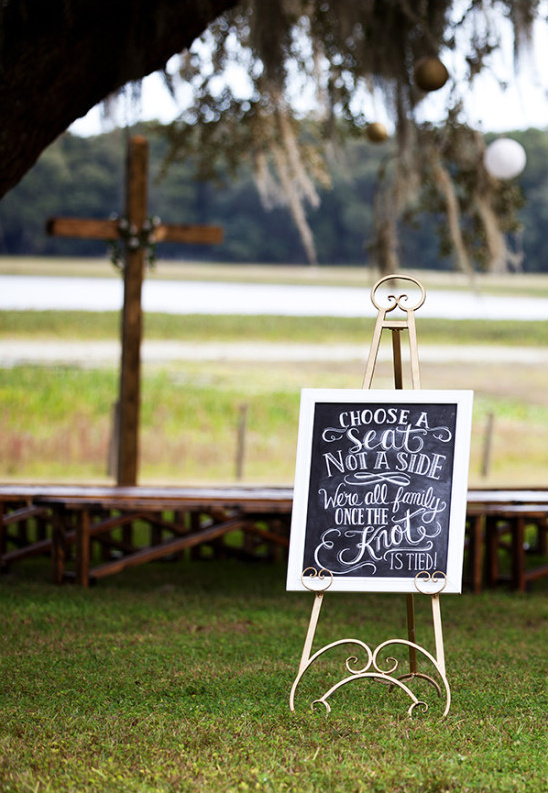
column 487, row 446
column 240, row 445
column 132, row 322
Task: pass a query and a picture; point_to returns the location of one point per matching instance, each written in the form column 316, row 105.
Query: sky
column 488, row 107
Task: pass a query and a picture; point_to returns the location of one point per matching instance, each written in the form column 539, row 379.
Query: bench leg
column 491, row 551
column 475, row 545
column 83, row 542
column 58, row 545
column 518, row 554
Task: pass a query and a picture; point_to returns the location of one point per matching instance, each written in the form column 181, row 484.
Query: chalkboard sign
column 380, row 488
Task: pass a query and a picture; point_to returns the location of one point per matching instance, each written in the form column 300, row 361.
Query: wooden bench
column 16, row 512
column 74, row 519
column 492, row 516
column 197, row 517
column 61, row 510
column 512, row 521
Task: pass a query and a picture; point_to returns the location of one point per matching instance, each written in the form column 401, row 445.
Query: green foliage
column 84, row 178
column 75, row 177
column 176, row 676
column 534, row 178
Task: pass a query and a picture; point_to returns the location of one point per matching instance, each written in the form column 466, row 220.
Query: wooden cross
column 134, row 262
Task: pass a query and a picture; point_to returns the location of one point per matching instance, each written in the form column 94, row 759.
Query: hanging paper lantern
column 504, row 158
column 430, row 74
column 376, row 132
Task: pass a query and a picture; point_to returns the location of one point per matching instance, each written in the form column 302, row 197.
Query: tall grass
column 56, row 422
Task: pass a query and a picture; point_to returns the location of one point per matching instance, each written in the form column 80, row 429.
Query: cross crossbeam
column 92, row 229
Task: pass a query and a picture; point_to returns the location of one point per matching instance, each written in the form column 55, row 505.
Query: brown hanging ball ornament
column 376, row 132
column 430, row 74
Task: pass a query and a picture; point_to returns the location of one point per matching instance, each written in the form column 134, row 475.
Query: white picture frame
column 381, row 483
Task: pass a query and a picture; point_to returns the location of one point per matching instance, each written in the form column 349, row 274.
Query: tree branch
column 60, row 58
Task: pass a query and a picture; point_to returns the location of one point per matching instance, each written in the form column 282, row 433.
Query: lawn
column 176, row 677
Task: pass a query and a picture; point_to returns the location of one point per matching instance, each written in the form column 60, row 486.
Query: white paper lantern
column 504, row 158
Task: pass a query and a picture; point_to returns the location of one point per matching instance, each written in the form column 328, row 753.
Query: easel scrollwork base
column 373, row 667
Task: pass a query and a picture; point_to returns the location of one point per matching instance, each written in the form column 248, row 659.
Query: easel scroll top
column 386, row 304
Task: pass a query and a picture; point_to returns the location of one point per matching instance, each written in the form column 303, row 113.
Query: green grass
column 327, row 330
column 176, row 677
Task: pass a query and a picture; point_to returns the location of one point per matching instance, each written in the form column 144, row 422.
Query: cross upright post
column 131, row 235
column 132, row 316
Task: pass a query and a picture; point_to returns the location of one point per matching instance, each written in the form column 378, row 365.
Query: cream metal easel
column 425, row 583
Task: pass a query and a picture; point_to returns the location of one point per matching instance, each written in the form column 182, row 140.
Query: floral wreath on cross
column 130, row 236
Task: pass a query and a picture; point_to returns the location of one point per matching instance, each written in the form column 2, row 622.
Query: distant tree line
column 84, row 177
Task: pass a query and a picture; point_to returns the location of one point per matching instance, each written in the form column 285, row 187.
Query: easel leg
column 440, row 652
column 438, row 633
column 314, row 617
column 305, row 657
column 396, row 351
column 411, row 634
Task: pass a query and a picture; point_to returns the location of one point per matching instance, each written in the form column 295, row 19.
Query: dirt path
column 107, row 353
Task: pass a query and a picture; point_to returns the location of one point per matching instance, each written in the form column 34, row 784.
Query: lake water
column 21, row 293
